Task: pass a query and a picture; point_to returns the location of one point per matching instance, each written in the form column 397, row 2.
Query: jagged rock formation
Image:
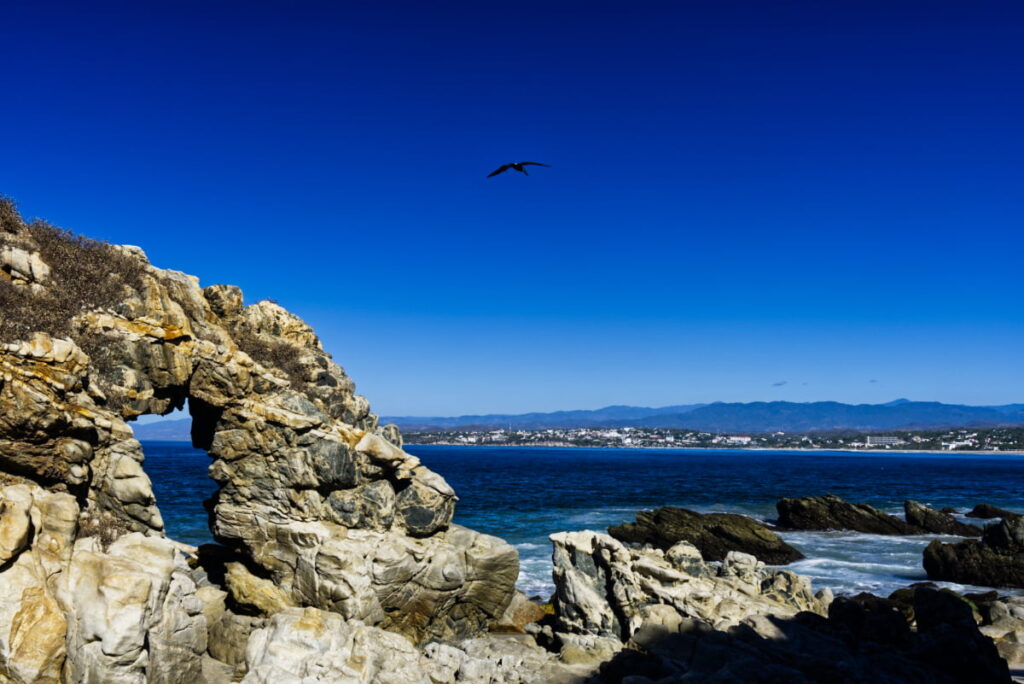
column 997, row 560
column 860, row 641
column 936, row 522
column 316, row 500
column 714, row 534
column 829, row 512
column 605, row 590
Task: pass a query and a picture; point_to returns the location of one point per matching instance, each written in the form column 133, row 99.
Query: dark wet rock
column 988, row 511
column 864, row 639
column 949, row 639
column 997, row 560
column 714, row 534
column 829, row 512
column 936, row 522
column 867, row 617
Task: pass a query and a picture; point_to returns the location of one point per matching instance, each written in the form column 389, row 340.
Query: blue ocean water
column 525, row 494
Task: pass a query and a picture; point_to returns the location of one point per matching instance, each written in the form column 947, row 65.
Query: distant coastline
column 1015, row 452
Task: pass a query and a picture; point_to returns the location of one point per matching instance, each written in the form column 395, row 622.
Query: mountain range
column 758, row 416
column 755, row 417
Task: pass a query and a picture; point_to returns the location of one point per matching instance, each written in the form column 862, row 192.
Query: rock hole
column 179, row 473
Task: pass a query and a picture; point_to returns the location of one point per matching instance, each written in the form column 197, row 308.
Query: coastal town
column 1001, row 439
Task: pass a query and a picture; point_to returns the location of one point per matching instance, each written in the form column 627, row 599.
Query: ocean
column 524, row 494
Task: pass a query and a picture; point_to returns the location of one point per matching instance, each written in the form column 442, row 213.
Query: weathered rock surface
column 860, row 641
column 936, row 522
column 319, row 505
column 829, row 512
column 988, row 511
column 310, row 645
column 72, row 610
column 607, row 590
column 997, row 560
column 714, row 534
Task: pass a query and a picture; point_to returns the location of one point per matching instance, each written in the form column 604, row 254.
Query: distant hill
column 607, row 416
column 179, row 430
column 786, row 416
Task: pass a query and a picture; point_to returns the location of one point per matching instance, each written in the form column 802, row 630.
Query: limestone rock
column 521, row 612
column 936, row 522
column 255, row 593
column 715, row 534
column 132, row 612
column 310, row 645
column 500, row 658
column 314, row 496
column 602, row 587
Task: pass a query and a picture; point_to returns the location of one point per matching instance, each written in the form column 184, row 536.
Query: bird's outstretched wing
column 533, row 164
column 500, row 169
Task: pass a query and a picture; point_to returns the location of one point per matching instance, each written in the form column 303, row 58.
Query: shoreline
column 738, row 448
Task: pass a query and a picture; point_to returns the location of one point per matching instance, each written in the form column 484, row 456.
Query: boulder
column 829, row 512
column 936, row 522
column 997, row 560
column 714, row 534
column 988, row 511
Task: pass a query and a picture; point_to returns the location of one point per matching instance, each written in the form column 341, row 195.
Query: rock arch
column 315, row 497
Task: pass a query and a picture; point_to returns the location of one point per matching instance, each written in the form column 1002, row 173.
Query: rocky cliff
column 316, row 500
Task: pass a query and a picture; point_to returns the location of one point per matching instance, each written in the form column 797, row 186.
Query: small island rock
column 988, row 511
column 936, row 522
column 997, row 560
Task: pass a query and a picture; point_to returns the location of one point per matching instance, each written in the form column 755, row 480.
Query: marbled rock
column 132, row 612
column 310, row 645
column 832, row 513
column 997, row 560
column 499, row 658
column 605, row 589
column 935, row 522
column 714, row 534
column 314, row 497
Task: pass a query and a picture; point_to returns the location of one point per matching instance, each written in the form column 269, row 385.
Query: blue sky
column 747, row 200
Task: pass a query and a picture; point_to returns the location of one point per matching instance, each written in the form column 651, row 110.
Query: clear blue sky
column 747, row 200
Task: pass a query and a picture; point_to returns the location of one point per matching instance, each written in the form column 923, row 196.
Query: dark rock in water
column 714, row 534
column 995, row 561
column 988, row 511
column 947, row 509
column 829, row 512
column 935, row 522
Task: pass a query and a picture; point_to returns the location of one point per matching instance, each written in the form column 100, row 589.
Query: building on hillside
column 883, row 440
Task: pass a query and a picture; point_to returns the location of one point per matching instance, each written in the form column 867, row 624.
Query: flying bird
column 518, row 166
